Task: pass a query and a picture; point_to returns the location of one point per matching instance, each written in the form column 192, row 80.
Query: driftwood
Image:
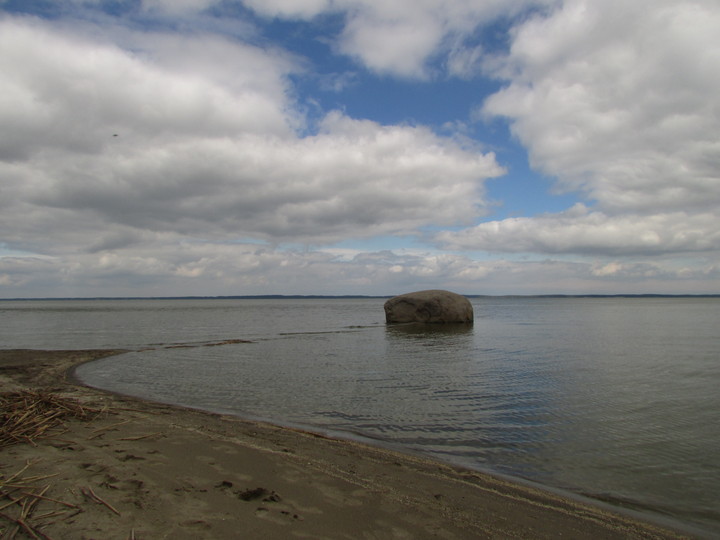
column 25, row 505
column 20, row 495
column 28, row 415
column 90, row 494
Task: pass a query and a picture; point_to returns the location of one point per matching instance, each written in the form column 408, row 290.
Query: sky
column 332, row 147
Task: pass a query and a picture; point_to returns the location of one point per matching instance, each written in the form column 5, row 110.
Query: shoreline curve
column 198, row 474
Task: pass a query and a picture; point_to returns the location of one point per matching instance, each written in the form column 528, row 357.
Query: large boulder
column 429, row 307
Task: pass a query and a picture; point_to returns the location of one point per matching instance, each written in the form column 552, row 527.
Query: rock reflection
column 429, row 330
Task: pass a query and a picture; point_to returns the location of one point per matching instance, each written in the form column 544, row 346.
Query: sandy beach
column 128, row 468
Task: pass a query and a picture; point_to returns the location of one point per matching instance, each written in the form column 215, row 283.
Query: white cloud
column 177, row 7
column 337, row 82
column 399, row 47
column 399, row 37
column 619, row 100
column 67, row 94
column 302, row 9
column 172, row 265
column 353, row 179
column 580, row 231
column 465, row 62
column 210, row 178
column 195, row 135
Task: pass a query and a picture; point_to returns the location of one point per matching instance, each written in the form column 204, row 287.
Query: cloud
column 400, row 37
column 172, row 265
column 618, row 100
column 396, row 46
column 579, row 231
column 177, row 7
column 354, row 179
column 106, row 142
column 465, row 62
column 337, row 82
column 301, row 9
column 139, row 159
column 64, row 93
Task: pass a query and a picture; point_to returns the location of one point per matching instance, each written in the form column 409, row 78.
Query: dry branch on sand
column 24, row 417
column 29, row 414
column 20, row 497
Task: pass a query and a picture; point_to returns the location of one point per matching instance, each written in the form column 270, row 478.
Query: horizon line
column 358, row 296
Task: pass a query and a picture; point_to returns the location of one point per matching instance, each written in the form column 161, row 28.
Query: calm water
column 614, row 398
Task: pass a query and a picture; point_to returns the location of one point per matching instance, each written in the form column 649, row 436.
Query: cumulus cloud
column 181, row 162
column 399, row 37
column 580, row 231
column 68, row 94
column 171, row 265
column 618, row 101
column 302, row 9
column 145, row 141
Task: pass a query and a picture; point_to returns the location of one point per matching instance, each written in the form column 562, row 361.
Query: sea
column 612, row 398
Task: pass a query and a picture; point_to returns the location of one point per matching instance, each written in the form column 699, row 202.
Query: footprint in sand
column 93, row 467
column 196, row 524
column 213, row 462
column 283, row 517
column 131, row 457
column 257, row 494
column 272, row 510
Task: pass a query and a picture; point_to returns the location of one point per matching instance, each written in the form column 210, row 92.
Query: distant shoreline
column 348, row 297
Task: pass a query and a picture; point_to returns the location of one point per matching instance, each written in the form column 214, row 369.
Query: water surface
column 615, row 398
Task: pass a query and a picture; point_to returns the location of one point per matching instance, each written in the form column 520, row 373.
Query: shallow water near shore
column 614, row 398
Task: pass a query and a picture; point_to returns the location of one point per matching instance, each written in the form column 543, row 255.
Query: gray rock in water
column 429, row 307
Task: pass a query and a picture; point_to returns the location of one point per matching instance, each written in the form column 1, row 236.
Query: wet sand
column 144, row 470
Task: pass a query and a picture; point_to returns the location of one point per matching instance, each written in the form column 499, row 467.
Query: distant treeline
column 359, row 296
column 596, row 296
